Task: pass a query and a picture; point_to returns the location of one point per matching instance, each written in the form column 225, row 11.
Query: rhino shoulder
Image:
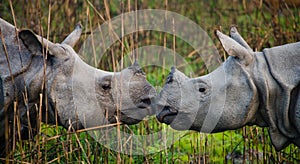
column 283, row 62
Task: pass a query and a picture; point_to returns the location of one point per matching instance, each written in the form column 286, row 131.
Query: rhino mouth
column 167, row 115
column 129, row 120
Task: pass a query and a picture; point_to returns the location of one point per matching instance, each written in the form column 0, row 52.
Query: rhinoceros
column 39, row 77
column 249, row 88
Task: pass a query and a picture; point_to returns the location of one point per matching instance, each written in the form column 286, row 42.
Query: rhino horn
column 74, row 36
column 235, row 35
column 35, row 43
column 173, row 69
column 170, row 77
column 136, row 67
column 235, row 49
column 136, row 63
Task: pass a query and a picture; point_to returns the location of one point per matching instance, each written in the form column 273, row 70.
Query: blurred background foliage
column 263, row 23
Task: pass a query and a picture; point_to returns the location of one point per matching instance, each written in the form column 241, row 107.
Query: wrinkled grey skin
column 258, row 88
column 22, row 78
column 1, row 95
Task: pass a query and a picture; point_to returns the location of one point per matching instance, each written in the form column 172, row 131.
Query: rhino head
column 248, row 88
column 77, row 90
column 188, row 101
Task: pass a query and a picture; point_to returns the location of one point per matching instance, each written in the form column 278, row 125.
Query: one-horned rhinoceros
column 38, row 76
column 249, row 88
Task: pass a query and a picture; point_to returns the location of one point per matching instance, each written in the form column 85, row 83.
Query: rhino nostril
column 171, row 110
column 146, row 101
column 167, row 112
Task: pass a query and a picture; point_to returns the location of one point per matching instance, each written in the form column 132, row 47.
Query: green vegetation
column 261, row 24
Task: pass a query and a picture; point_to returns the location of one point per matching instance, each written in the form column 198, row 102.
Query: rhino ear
column 35, row 44
column 235, row 35
column 30, row 41
column 72, row 38
column 235, row 49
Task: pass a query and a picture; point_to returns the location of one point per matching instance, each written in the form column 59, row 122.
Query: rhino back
column 15, row 55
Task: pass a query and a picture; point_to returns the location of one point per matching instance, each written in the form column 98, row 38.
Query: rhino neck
column 274, row 98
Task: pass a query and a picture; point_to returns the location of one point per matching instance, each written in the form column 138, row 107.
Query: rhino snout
column 147, row 101
column 141, row 101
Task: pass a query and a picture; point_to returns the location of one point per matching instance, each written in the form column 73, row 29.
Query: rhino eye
column 105, row 82
column 201, row 89
column 106, row 86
